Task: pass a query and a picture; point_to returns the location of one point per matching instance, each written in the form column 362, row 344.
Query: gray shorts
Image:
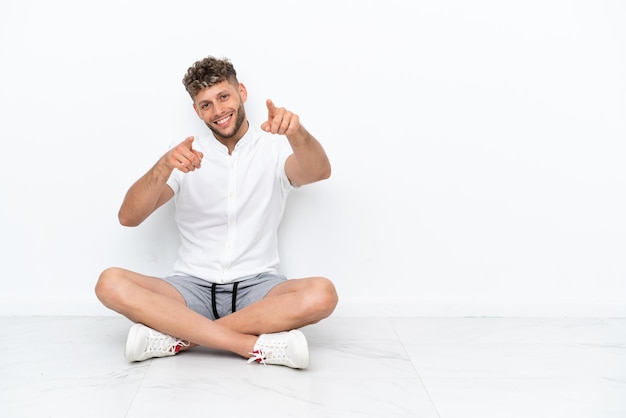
column 215, row 300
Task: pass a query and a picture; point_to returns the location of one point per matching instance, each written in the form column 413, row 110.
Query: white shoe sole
column 302, row 346
column 130, row 342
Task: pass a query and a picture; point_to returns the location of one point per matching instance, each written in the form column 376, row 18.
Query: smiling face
column 221, row 108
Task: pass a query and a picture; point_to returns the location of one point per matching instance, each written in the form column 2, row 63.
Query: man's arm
column 151, row 190
column 309, row 162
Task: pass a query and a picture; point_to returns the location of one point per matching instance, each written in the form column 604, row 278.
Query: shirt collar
column 246, row 139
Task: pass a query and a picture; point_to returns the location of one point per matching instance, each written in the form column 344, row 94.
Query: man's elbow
column 321, row 174
column 126, row 220
column 325, row 174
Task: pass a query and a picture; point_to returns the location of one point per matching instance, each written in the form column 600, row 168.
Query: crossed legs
column 158, row 305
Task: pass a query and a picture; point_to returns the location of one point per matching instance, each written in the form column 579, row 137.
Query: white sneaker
column 282, row 348
column 144, row 343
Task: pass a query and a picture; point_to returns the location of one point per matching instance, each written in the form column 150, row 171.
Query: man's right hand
column 183, row 157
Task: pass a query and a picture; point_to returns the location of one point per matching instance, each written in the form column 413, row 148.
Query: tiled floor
column 360, row 367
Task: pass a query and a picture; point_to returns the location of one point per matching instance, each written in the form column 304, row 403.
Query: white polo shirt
column 229, row 210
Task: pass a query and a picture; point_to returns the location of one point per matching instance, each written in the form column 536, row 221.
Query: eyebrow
column 218, row 94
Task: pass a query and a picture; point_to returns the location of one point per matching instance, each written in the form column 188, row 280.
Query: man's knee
column 323, row 298
column 108, row 287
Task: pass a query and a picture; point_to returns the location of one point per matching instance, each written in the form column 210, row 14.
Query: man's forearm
column 144, row 195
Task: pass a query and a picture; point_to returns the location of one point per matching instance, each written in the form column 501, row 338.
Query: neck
column 231, row 141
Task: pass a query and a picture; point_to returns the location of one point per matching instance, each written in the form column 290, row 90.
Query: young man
column 230, row 188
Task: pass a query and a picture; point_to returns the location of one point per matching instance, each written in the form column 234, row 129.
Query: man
column 230, row 190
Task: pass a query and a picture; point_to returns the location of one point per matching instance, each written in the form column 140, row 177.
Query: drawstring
column 235, row 296
column 214, row 302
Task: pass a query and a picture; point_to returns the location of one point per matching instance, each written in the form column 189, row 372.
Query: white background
column 477, row 147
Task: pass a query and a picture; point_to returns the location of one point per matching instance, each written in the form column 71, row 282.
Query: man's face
column 221, row 108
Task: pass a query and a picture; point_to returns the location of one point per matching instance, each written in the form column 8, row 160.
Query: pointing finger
column 271, row 109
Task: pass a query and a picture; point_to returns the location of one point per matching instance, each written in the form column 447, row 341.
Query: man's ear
column 243, row 92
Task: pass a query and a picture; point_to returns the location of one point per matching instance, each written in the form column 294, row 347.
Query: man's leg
column 289, row 305
column 158, row 305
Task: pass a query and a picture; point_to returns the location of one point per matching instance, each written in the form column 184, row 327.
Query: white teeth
column 223, row 120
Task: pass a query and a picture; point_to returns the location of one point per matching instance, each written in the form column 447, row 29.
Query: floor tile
column 65, row 367
column 528, row 397
column 360, row 367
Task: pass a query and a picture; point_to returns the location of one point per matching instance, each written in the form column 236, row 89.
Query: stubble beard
column 225, row 135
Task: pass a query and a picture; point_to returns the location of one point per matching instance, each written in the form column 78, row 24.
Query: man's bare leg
column 287, row 306
column 158, row 305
